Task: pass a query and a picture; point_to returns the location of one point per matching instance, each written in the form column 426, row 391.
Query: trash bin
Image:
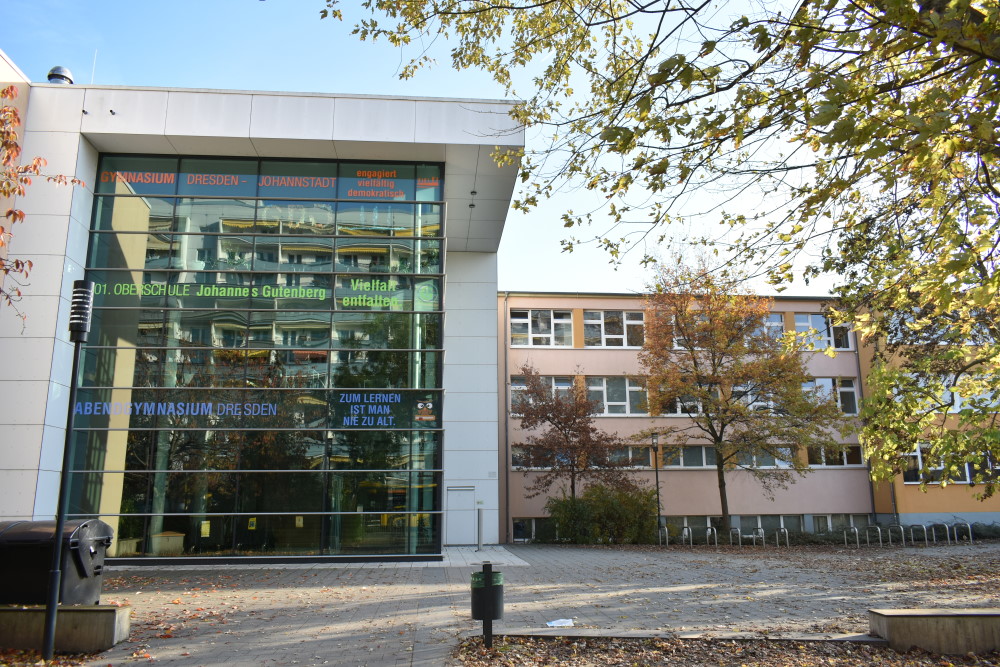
column 483, row 608
column 26, row 558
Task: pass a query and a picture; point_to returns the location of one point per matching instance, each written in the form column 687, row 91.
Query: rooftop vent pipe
column 60, row 74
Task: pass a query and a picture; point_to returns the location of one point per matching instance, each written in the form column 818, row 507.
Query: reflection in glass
column 215, row 216
column 359, row 255
column 296, row 217
column 381, row 330
column 229, row 404
column 140, row 175
column 375, row 219
column 303, row 534
column 217, row 177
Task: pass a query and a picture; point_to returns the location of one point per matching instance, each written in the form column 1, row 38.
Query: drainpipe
column 868, row 467
column 505, row 334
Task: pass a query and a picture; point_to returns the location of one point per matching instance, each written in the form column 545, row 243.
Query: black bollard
column 488, row 620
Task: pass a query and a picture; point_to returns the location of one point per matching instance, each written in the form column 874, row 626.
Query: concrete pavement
column 416, row 613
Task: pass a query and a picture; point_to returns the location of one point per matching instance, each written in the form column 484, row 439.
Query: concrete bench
column 945, row 631
column 79, row 629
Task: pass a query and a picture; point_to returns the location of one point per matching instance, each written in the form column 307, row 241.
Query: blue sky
column 283, row 45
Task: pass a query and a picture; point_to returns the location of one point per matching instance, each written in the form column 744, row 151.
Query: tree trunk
column 720, row 472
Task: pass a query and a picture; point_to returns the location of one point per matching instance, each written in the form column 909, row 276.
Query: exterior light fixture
column 81, row 307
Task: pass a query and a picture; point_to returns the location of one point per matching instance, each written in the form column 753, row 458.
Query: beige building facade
column 596, row 338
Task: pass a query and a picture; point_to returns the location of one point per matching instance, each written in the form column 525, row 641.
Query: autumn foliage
column 563, row 441
column 15, row 178
column 709, row 357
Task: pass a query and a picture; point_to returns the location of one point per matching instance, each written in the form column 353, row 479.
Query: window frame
column 598, row 384
column 987, row 464
column 560, row 328
column 632, row 453
column 558, row 384
column 773, row 326
column 823, row 457
column 837, row 389
column 825, row 335
column 707, row 460
column 630, row 320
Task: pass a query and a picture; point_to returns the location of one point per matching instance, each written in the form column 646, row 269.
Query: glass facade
column 263, row 373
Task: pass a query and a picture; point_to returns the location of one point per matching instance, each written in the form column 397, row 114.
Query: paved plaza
column 416, row 613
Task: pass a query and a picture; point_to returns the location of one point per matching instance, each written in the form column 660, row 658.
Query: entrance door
column 460, row 516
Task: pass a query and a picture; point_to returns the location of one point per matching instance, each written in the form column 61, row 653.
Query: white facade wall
column 471, row 418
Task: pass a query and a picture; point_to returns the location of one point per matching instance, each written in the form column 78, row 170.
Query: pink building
column 597, row 337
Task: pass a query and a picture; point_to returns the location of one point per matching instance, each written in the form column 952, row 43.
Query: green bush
column 622, row 514
column 571, row 517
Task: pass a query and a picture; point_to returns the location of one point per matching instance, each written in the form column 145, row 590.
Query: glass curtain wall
column 263, row 374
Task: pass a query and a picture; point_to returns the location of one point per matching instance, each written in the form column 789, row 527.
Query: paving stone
column 417, row 613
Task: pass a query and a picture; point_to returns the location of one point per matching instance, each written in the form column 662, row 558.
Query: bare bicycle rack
column 777, row 537
column 712, row 532
column 687, row 534
column 857, row 539
column 921, row 527
column 759, row 532
column 902, row 535
column 968, row 528
column 739, row 536
column 947, row 532
column 868, row 532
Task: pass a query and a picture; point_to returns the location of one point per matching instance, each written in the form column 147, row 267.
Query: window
column 773, row 326
column 541, row 328
column 822, row 334
column 767, row 459
column 826, row 523
column 987, row 400
column 834, row 456
column 843, row 391
column 617, row 395
column 964, row 472
column 560, row 387
column 638, row 457
column 690, row 456
column 683, row 406
column 770, row 523
column 521, row 457
column 695, row 327
column 612, row 328
column 753, row 398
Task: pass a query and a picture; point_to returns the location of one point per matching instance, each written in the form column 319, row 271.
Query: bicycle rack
column 777, row 537
column 687, row 534
column 968, row 528
column 856, row 538
column 921, row 527
column 711, row 531
column 868, row 532
column 759, row 532
column 739, row 536
column 947, row 532
column 902, row 535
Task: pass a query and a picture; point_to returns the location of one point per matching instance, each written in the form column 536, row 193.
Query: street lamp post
column 81, row 306
column 655, row 439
